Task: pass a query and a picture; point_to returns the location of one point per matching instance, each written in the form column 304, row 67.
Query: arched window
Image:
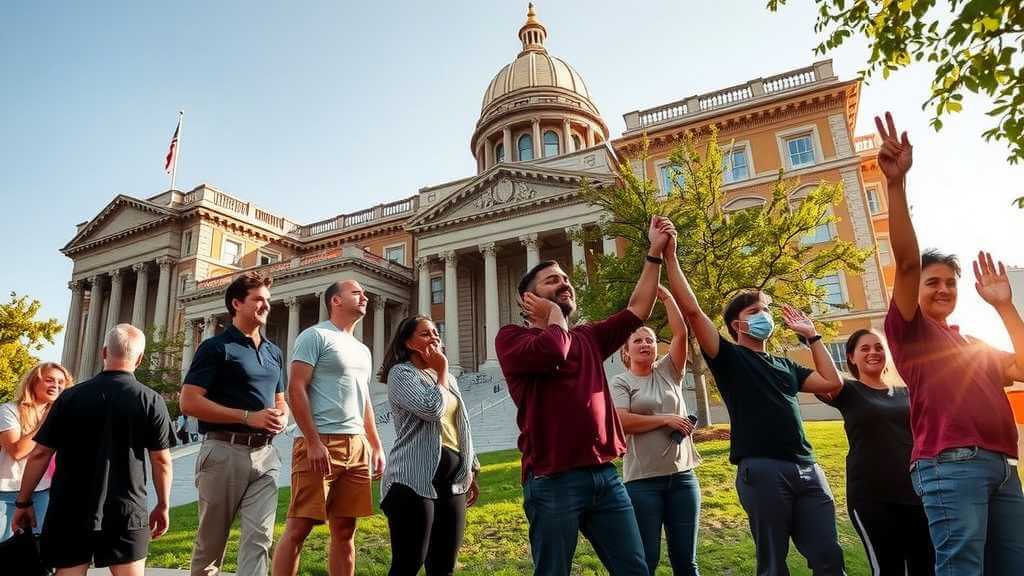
column 576, row 144
column 525, row 147
column 499, row 153
column 550, row 143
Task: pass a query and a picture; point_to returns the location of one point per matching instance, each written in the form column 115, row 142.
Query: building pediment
column 123, row 216
column 505, row 189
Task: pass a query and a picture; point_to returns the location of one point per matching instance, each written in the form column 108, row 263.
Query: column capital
column 379, row 303
column 422, row 262
column 76, row 286
column 488, row 248
column 450, row 257
column 140, row 266
column 115, row 275
column 164, row 262
column 291, row 301
column 97, row 279
column 403, row 310
column 529, row 240
column 535, row 120
column 574, row 228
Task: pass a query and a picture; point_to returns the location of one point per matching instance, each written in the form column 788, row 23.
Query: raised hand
column 798, row 322
column 896, row 155
column 993, row 285
column 658, row 233
column 663, row 293
column 538, row 310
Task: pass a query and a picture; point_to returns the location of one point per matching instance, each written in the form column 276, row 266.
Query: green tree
column 161, row 362
column 721, row 253
column 20, row 334
column 974, row 45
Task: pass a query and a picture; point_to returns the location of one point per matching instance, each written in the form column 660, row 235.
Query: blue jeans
column 975, row 510
column 672, row 501
column 40, row 500
column 590, row 500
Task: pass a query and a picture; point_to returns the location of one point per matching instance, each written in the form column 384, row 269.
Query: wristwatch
column 25, row 504
column 808, row 341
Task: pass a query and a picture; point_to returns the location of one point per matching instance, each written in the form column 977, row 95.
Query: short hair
column 239, row 288
column 933, row 256
column 738, row 303
column 125, row 342
column 526, row 283
column 333, row 289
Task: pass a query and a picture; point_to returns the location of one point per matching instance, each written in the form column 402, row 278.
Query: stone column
column 575, row 234
column 530, row 242
column 488, row 154
column 423, row 265
column 590, row 136
column 293, row 305
column 187, row 350
column 401, row 313
column 141, row 293
column 74, row 324
column 451, row 307
column 379, row 309
column 114, row 305
column 506, row 140
column 93, row 325
column 163, row 293
column 567, row 136
column 490, row 300
column 209, row 327
column 538, row 145
column 324, row 314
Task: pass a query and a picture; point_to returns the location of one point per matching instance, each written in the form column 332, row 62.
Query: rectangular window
column 884, row 252
column 268, row 258
column 833, row 290
column 874, row 204
column 822, row 233
column 734, row 165
column 437, row 290
column 801, row 151
column 670, row 175
column 395, row 254
column 231, row 252
column 186, row 243
column 837, row 350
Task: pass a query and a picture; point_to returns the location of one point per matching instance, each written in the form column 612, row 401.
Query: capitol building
column 455, row 251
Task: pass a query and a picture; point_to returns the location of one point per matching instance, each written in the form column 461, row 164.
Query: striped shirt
column 417, row 405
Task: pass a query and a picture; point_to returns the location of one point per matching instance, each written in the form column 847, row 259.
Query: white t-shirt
column 11, row 470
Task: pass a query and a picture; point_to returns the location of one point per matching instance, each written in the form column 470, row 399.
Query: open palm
column 896, row 155
column 798, row 322
column 992, row 284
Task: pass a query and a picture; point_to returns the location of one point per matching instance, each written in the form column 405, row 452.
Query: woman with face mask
column 783, row 491
column 883, row 507
column 660, row 458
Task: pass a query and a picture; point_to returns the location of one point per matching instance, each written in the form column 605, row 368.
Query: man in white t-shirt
column 338, row 452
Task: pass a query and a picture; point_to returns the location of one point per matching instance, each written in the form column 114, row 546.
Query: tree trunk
column 700, row 384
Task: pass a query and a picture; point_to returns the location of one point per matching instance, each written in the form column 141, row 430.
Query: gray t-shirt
column 654, row 453
column 339, row 387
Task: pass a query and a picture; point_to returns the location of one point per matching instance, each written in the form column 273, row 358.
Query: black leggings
column 895, row 536
column 427, row 531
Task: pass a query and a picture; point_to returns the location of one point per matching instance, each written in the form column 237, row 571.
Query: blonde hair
column 25, row 397
column 624, row 355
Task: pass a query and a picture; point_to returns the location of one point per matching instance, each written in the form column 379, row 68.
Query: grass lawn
column 496, row 542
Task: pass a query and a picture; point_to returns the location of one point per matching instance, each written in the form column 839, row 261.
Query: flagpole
column 177, row 149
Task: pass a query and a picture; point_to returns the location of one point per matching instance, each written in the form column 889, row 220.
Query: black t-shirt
column 101, row 430
column 237, row 374
column 878, row 428
column 760, row 392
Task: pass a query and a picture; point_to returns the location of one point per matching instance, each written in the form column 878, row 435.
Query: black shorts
column 64, row 549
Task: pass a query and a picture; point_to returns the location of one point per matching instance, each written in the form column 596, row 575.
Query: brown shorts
column 346, row 493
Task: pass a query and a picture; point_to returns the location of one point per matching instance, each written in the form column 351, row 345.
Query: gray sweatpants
column 785, row 499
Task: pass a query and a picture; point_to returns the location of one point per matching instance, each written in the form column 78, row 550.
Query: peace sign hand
column 993, row 286
column 896, row 155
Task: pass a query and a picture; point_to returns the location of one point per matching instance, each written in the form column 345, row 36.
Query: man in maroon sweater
column 569, row 432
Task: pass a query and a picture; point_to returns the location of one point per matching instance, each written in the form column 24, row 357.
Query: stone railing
column 340, row 222
column 819, row 72
column 866, row 143
column 236, row 206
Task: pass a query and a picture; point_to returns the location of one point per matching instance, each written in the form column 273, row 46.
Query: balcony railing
column 820, row 72
column 338, row 223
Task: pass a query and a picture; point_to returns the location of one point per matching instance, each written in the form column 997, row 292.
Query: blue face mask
column 760, row 325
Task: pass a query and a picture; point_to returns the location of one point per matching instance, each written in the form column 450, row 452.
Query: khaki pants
column 231, row 478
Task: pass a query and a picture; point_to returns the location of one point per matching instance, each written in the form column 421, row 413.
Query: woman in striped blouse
column 431, row 475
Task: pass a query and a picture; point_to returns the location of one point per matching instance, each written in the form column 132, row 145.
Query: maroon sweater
column 566, row 415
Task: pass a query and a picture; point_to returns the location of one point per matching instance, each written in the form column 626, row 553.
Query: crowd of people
column 930, row 486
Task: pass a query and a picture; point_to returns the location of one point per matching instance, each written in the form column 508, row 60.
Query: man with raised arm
column 569, row 431
column 964, row 434
column 783, row 491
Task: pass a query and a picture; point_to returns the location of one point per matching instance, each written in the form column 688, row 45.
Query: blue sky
column 314, row 108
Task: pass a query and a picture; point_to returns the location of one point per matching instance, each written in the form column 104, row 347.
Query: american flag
column 172, row 152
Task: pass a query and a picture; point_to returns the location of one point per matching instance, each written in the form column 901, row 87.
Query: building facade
column 455, row 251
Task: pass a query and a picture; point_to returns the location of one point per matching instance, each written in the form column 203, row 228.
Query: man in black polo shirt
column 235, row 388
column 101, row 431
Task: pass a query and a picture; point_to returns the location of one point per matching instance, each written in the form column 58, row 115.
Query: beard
column 567, row 308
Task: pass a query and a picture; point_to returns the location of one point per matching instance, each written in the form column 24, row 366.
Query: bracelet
column 23, row 504
column 654, row 259
column 245, row 417
column 808, row 341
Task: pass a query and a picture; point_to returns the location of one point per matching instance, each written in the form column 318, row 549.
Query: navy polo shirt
column 237, row 374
